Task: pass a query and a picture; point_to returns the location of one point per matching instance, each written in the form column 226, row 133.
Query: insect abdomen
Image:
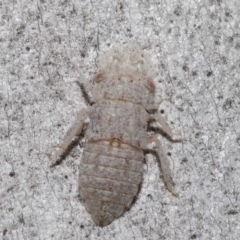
column 109, row 179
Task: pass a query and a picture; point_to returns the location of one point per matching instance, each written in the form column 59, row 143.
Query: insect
column 123, row 105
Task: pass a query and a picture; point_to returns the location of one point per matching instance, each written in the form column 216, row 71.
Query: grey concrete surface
column 195, row 46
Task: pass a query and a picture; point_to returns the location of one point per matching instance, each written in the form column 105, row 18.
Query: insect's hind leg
column 167, row 178
column 73, row 131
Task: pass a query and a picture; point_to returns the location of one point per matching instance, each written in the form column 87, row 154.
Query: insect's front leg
column 73, row 131
column 167, row 178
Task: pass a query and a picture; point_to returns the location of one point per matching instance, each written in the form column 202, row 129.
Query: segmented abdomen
column 109, row 178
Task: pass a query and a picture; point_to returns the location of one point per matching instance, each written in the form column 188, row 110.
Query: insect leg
column 165, row 127
column 73, row 131
column 167, row 178
column 84, row 82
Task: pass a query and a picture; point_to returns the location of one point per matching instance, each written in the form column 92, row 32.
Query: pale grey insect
column 123, row 106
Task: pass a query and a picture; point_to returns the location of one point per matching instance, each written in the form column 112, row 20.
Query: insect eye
column 99, row 76
column 150, row 85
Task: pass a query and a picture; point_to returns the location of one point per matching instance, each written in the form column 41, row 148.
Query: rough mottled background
column 196, row 46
